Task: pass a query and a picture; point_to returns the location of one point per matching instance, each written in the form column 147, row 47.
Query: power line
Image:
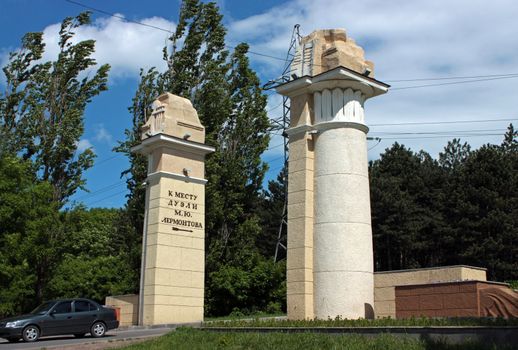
column 447, row 122
column 273, row 147
column 473, row 79
column 119, row 183
column 273, row 132
column 439, row 137
column 275, row 159
column 107, row 197
column 377, row 143
column 438, row 132
column 452, row 83
column 101, row 190
column 273, row 108
column 258, row 54
column 277, row 167
column 122, row 18
column 104, row 160
column 453, row 78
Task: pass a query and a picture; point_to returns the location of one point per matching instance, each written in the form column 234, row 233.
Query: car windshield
column 43, row 308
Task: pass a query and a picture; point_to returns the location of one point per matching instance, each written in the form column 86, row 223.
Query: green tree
column 405, row 219
column 271, row 215
column 41, row 111
column 484, row 209
column 451, row 162
column 94, row 256
column 131, row 219
column 454, row 155
column 258, row 284
column 94, row 278
column 461, row 209
column 202, row 51
column 240, row 170
column 30, row 235
column 41, row 122
column 19, row 72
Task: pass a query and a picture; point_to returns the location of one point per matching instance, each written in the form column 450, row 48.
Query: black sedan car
column 60, row 317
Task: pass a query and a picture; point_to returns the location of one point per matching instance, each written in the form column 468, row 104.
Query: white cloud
column 126, row 46
column 83, row 145
column 103, row 135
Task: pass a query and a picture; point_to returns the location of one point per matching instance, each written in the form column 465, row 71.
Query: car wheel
column 13, row 340
column 98, row 329
column 80, row 335
column 31, row 333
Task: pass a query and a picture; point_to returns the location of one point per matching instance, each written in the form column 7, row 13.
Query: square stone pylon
column 173, row 256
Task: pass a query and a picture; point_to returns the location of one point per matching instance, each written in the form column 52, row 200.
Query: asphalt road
column 50, row 342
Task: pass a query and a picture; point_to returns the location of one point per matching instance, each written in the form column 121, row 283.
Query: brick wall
column 385, row 282
column 456, row 299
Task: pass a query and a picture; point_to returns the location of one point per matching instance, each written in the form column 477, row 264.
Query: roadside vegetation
column 193, row 339
column 380, row 322
column 238, row 315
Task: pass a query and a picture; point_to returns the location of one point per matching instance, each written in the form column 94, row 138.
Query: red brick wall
column 455, row 299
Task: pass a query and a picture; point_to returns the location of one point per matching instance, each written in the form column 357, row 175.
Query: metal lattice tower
column 283, row 124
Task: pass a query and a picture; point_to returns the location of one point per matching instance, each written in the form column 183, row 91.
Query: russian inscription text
column 184, row 206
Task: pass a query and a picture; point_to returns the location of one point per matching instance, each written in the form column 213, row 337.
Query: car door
column 59, row 319
column 85, row 313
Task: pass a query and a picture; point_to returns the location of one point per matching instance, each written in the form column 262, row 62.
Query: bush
column 258, row 286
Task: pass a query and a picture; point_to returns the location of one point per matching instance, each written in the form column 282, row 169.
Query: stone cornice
column 163, row 140
column 175, row 176
column 341, row 77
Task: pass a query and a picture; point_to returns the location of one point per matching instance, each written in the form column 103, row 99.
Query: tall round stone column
column 342, row 238
column 330, row 256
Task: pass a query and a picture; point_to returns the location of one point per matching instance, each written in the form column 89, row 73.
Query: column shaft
column 343, row 257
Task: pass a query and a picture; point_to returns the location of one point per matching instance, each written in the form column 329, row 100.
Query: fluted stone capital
column 339, row 105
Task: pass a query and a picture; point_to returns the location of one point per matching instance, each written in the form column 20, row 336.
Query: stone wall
column 128, row 308
column 386, row 281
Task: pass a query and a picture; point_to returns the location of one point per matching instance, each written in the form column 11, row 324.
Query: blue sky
column 410, row 40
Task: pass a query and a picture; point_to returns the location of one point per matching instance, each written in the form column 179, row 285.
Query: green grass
column 194, row 339
column 240, row 316
column 380, row 322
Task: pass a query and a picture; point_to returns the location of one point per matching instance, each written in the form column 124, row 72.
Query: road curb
column 100, row 341
column 160, row 326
